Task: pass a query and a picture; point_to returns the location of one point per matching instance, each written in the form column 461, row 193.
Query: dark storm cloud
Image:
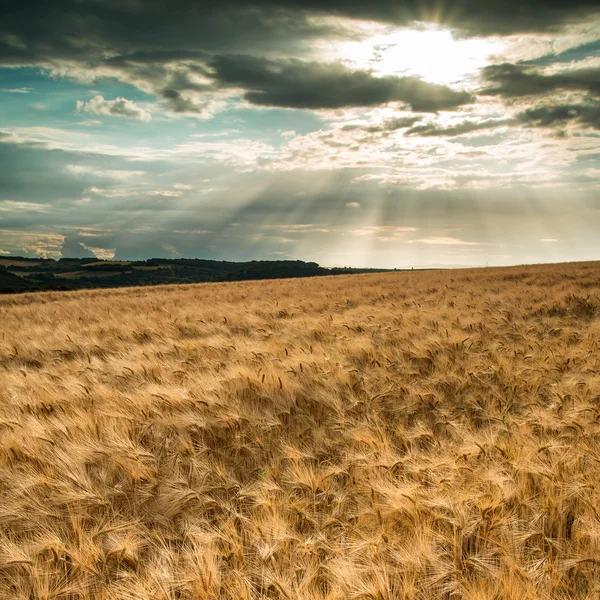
column 299, row 84
column 70, row 27
column 510, row 80
column 32, row 31
column 152, row 57
column 471, row 16
column 587, row 114
column 140, row 41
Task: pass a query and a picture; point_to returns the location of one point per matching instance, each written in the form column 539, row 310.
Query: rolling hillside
column 19, row 274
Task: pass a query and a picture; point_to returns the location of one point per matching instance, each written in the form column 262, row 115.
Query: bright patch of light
column 430, row 53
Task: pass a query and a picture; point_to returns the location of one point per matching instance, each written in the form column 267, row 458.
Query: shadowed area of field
column 404, row 435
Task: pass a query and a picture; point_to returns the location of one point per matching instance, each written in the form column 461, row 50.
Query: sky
column 350, row 133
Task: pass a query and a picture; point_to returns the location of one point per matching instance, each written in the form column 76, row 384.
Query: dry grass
column 408, row 435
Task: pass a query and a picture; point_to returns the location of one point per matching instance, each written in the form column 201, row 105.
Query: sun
column 427, row 52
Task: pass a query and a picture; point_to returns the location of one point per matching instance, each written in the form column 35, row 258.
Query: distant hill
column 11, row 283
column 19, row 274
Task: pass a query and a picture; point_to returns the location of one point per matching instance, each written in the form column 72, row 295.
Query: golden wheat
column 415, row 435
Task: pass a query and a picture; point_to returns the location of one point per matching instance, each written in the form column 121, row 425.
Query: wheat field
column 409, row 435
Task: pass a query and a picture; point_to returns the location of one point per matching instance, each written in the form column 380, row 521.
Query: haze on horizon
column 374, row 134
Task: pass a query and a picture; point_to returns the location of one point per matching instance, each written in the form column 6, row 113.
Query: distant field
column 26, row 275
column 426, row 435
column 151, row 268
column 11, row 262
column 90, row 274
column 104, row 263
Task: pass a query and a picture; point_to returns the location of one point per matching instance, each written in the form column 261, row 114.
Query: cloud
column 13, row 206
column 101, row 253
column 470, row 16
column 171, row 249
column 547, row 115
column 119, row 107
column 512, row 80
column 181, row 104
column 551, row 115
column 32, row 243
column 299, row 228
column 190, row 59
column 311, row 85
column 127, row 193
column 70, row 29
column 444, row 241
column 387, row 231
column 434, row 129
column 22, row 90
column 386, row 126
column 118, row 174
column 72, row 247
column 353, row 204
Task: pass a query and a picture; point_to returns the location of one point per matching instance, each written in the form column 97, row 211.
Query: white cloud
column 368, row 177
column 101, row 253
column 384, row 230
column 12, row 206
column 23, row 90
column 444, row 241
column 549, row 240
column 126, row 193
column 243, row 153
column 110, row 174
column 119, row 107
column 90, row 234
column 32, row 243
column 171, row 249
column 353, row 204
column 88, row 123
column 303, row 231
column 300, row 228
